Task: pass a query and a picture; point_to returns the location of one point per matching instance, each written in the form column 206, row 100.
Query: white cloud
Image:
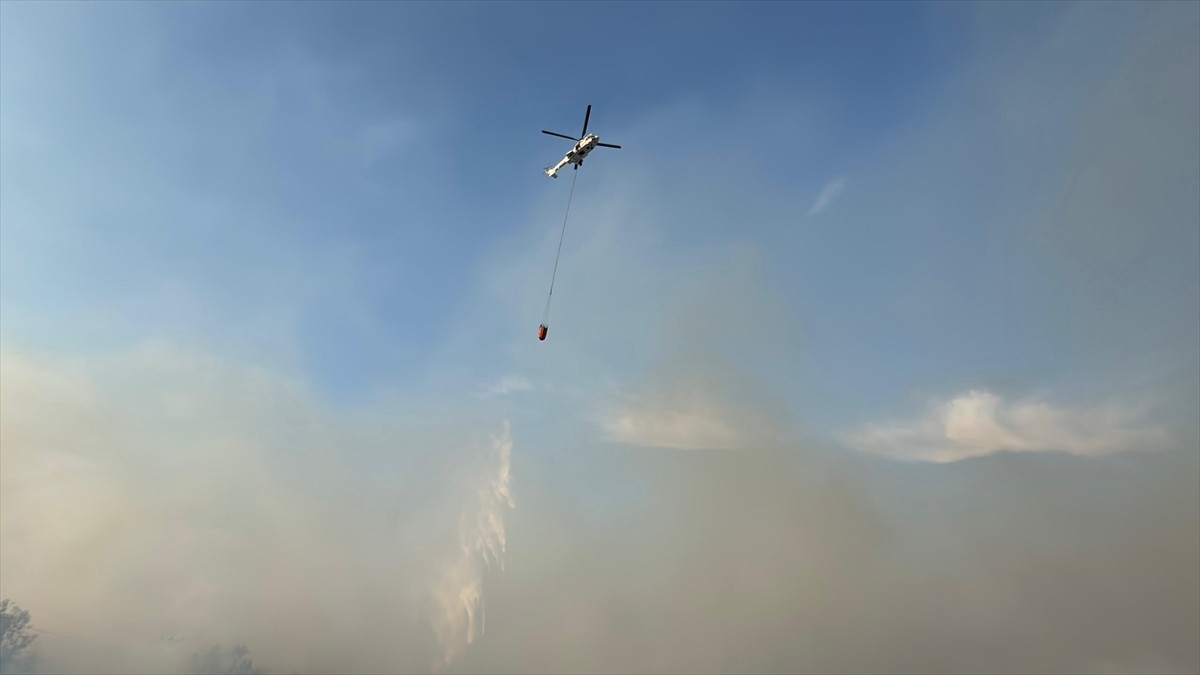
column 690, row 414
column 979, row 423
column 686, row 429
column 508, row 385
column 832, row 190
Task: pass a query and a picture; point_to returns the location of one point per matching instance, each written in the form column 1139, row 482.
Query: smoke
column 459, row 613
column 164, row 491
column 171, row 492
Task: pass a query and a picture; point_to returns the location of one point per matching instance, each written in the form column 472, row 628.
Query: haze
column 876, row 348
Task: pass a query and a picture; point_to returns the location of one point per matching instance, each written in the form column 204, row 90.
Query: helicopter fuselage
column 576, row 154
column 584, row 146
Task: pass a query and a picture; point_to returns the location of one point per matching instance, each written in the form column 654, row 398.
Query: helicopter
column 583, row 145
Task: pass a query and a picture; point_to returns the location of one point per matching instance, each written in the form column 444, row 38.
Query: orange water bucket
column 542, row 330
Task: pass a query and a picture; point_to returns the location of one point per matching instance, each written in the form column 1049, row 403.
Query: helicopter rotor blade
column 608, row 145
column 551, row 133
column 586, row 117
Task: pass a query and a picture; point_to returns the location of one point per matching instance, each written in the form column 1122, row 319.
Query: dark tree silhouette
column 217, row 661
column 16, row 637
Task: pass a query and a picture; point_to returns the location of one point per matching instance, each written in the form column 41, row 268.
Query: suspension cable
column 553, row 275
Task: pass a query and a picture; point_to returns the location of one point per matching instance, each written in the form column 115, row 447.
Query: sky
column 875, row 348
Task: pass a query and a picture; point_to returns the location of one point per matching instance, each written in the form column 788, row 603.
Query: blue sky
column 364, row 166
column 269, row 136
column 945, row 245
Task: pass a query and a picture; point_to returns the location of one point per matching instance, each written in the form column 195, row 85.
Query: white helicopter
column 583, row 145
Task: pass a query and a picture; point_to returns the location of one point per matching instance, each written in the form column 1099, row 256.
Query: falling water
column 458, row 599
